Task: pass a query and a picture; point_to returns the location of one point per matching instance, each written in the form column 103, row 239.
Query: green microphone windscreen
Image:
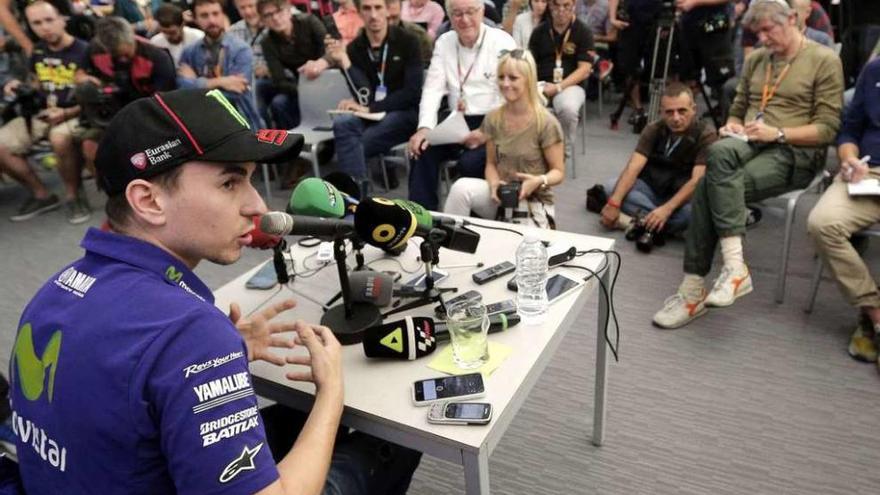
column 423, row 216
column 314, row 197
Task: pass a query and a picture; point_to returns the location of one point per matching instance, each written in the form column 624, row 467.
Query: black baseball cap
column 153, row 135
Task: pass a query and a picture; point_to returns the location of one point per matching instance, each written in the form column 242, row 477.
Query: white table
column 377, row 392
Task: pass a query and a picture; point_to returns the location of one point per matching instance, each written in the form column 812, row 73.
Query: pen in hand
column 848, row 172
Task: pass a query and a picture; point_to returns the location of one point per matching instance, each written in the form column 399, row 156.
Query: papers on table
column 451, row 131
column 444, row 363
column 374, row 116
column 865, row 187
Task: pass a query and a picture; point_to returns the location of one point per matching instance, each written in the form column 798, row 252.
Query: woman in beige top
column 525, row 144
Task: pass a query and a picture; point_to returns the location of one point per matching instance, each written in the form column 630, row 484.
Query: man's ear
column 147, row 201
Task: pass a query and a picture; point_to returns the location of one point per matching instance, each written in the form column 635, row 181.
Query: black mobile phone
column 459, row 387
column 493, row 272
column 508, row 306
column 471, row 295
column 332, row 29
column 460, row 413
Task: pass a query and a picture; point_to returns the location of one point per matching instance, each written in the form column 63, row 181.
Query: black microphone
column 280, row 223
column 371, row 287
column 497, row 323
column 417, row 336
column 382, row 223
column 409, row 338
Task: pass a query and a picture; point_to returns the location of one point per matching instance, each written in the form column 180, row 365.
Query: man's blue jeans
column 284, row 107
column 358, row 140
column 424, row 175
column 642, row 199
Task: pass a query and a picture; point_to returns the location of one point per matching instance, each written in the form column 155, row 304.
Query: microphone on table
column 388, row 224
column 497, row 323
column 417, row 336
column 409, row 338
column 315, row 197
column 282, row 224
column 382, row 223
column 262, row 240
column 371, row 287
column 345, row 183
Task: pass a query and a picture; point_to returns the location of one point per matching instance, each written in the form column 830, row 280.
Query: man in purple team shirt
column 125, row 378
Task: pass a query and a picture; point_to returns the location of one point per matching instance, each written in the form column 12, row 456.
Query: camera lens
column 645, row 242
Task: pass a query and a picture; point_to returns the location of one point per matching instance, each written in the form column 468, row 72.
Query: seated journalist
column 524, row 144
column 837, row 217
column 655, row 187
column 785, row 114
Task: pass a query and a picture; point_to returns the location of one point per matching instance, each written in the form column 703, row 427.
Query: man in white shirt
column 463, row 68
column 173, row 35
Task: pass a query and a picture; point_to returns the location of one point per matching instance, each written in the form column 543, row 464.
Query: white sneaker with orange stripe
column 678, row 310
column 730, row 285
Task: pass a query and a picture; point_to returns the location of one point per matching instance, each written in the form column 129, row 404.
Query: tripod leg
column 713, row 111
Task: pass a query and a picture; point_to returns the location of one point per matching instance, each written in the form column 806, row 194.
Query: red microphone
column 262, row 240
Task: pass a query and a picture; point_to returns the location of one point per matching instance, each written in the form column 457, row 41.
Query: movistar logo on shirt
column 35, row 374
column 176, row 276
column 75, row 282
column 32, row 369
column 172, row 274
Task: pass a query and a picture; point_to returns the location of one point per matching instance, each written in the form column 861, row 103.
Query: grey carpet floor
column 758, row 398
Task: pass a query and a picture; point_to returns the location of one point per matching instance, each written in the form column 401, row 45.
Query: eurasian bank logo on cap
column 139, row 160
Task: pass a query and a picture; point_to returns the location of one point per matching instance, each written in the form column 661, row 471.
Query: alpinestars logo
column 244, row 462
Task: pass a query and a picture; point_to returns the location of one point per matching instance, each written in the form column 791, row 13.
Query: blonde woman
column 524, row 144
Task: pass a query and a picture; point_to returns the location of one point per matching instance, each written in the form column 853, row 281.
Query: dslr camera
column 509, row 194
column 25, row 103
column 99, row 103
column 644, row 238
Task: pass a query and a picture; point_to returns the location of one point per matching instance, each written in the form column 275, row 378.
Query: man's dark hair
column 357, row 3
column 168, row 15
column 675, row 89
column 38, row 2
column 118, row 210
column 262, row 4
column 111, row 32
column 221, row 3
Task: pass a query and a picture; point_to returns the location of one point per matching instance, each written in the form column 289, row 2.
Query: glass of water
column 468, row 326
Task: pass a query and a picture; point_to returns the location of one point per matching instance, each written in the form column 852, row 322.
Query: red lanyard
column 462, row 81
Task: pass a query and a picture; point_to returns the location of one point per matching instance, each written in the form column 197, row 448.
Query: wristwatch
column 544, row 181
column 780, row 136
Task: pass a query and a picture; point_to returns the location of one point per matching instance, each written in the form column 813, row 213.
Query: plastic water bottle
column 531, row 280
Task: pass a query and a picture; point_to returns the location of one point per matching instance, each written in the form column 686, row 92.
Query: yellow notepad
column 497, row 354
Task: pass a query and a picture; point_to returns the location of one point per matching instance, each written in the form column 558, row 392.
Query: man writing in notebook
column 838, row 216
column 385, row 65
column 786, row 112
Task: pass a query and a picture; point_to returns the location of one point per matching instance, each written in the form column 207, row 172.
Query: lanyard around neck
column 768, row 93
column 559, row 49
column 463, row 80
column 381, row 72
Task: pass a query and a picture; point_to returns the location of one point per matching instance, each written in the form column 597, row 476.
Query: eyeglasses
column 458, row 14
column 268, row 15
column 518, row 53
